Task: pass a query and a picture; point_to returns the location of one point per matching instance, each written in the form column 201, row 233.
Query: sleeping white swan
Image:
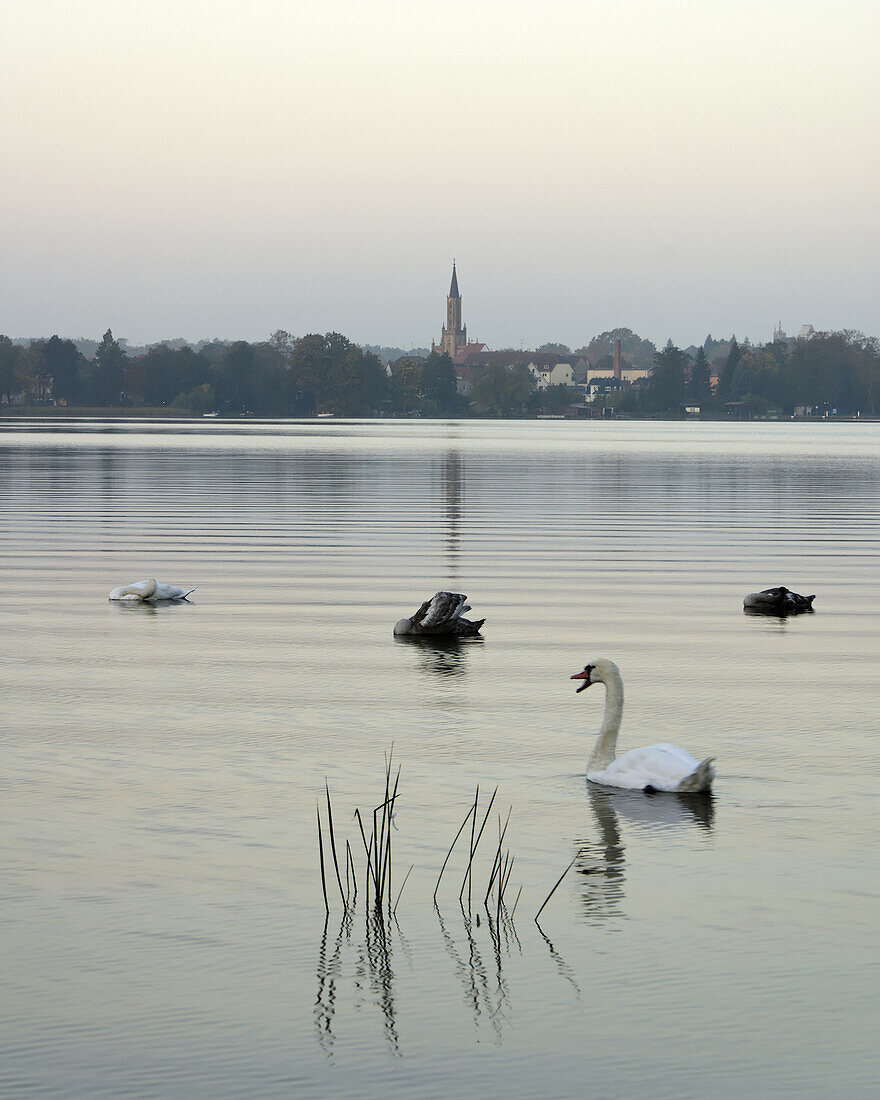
column 657, row 768
column 150, row 591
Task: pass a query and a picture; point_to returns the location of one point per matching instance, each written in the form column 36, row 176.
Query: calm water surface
column 163, row 930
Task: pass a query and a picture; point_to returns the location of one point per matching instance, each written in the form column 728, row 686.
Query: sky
column 213, row 168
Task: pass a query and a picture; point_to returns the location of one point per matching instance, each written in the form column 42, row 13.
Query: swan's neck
column 603, row 752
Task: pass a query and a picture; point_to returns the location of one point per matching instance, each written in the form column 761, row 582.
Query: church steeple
column 454, row 338
column 453, row 286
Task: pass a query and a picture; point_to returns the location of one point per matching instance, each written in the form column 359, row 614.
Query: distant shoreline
column 50, row 412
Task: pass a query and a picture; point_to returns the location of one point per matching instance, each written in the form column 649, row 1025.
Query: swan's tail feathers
column 474, row 625
column 700, row 778
column 188, row 592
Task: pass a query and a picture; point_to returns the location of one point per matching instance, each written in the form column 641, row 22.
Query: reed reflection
column 603, row 866
column 484, row 987
column 373, row 977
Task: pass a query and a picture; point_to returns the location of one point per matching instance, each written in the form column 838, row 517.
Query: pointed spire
column 453, row 287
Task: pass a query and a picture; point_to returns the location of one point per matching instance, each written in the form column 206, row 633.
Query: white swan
column 439, row 616
column 657, row 768
column 150, row 591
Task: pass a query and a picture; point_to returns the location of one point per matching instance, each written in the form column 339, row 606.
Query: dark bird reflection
column 440, row 656
column 602, row 865
column 776, row 621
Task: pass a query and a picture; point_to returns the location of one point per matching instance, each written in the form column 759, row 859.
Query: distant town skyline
column 201, row 169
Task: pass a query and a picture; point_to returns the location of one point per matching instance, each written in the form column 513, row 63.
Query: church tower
column 454, row 336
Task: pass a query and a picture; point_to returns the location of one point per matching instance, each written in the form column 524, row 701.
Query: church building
column 454, row 339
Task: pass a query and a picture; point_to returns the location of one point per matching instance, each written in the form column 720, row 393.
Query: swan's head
column 403, row 626
column 600, row 671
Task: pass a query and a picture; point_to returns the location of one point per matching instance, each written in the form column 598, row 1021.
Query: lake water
column 162, row 929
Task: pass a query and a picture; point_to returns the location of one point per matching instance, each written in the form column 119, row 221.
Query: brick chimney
column 617, row 359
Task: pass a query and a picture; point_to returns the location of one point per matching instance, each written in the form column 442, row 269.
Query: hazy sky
column 218, row 168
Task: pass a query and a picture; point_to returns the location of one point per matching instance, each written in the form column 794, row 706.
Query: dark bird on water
column 441, row 615
column 778, row 601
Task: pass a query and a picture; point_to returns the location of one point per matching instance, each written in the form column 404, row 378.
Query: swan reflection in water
column 440, row 656
column 139, row 607
column 602, row 865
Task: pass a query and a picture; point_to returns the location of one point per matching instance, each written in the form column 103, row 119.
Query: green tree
column 699, row 387
column 667, row 380
column 502, row 391
column 639, row 352
column 34, row 376
column 109, row 371
column 199, row 400
column 725, row 382
column 335, row 375
column 63, row 363
column 439, row 386
column 10, row 360
column 360, row 383
column 312, row 359
column 168, row 372
column 231, row 377
column 553, row 399
column 405, row 384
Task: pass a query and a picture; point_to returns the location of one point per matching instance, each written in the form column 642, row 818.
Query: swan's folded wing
column 417, row 618
column 660, row 766
column 443, row 609
column 171, row 592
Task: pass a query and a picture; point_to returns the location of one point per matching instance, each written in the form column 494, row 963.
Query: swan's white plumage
column 661, row 767
column 148, row 591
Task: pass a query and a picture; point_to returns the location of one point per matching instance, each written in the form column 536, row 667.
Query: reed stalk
column 405, row 877
column 516, row 903
column 553, row 891
column 369, row 869
column 321, row 860
column 333, row 843
column 380, row 836
column 466, row 880
column 451, row 846
column 496, row 865
column 507, row 876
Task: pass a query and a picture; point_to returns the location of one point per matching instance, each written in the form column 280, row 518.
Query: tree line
column 281, row 376
column 832, row 372
column 308, row 375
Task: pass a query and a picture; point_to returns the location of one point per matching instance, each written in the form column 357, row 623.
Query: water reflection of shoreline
column 603, row 865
